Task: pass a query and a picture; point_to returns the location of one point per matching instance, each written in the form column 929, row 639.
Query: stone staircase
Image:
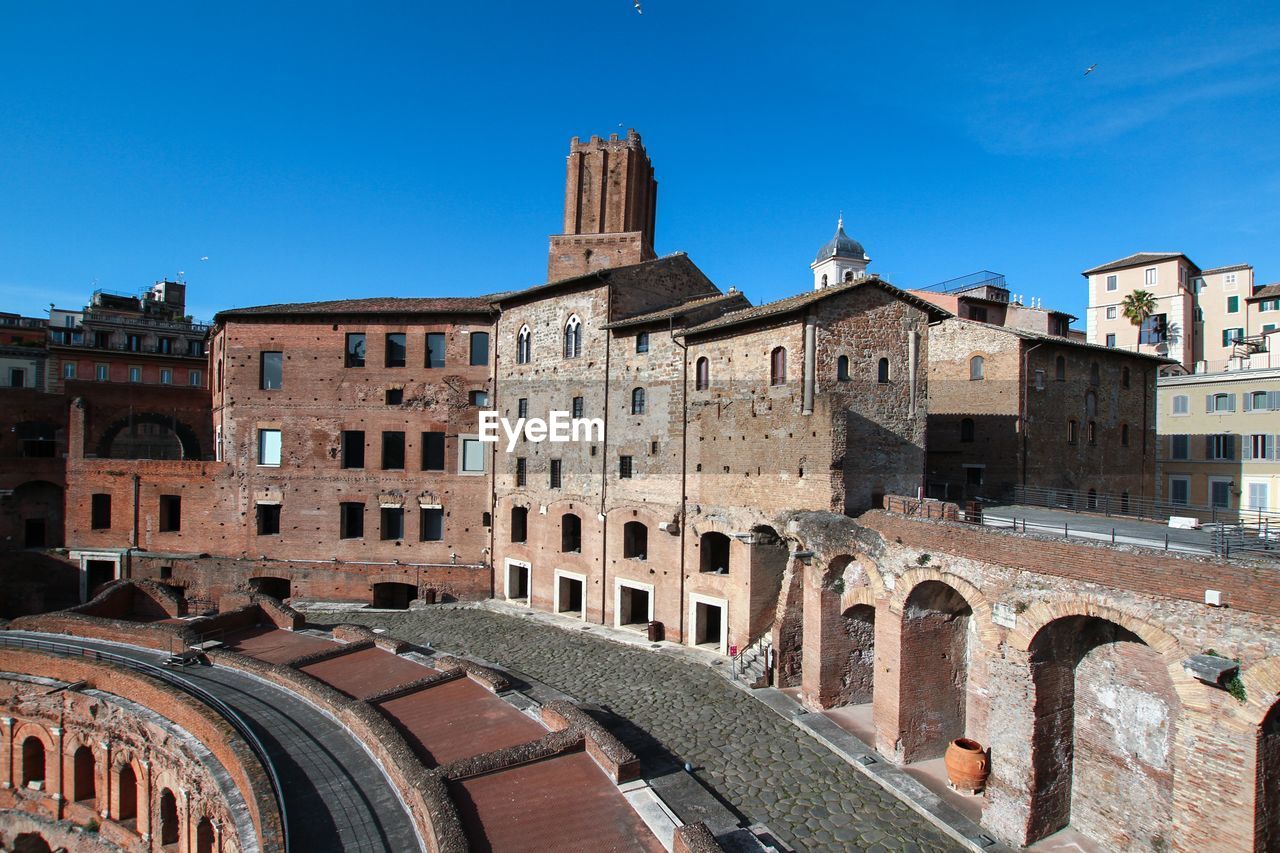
column 752, row 663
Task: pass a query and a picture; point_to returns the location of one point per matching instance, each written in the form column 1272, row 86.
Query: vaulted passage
column 857, row 679
column 279, row 588
column 935, row 670
column 1102, row 752
column 394, row 596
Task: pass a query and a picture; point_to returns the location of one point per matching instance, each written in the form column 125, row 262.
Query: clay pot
column 967, row 765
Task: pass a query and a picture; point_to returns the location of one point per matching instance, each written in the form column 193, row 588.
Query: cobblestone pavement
column 758, row 762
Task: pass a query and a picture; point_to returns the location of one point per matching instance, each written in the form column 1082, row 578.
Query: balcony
column 192, row 328
column 115, row 346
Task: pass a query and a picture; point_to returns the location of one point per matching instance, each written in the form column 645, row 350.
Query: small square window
column 392, row 522
column 479, row 398
column 431, row 526
column 101, row 372
column 1111, row 312
column 642, row 342
column 195, row 378
column 135, row 374
column 624, row 467
column 472, row 456
column 268, row 519
column 1112, row 282
column 166, row 376
column 269, row 447
column 395, row 396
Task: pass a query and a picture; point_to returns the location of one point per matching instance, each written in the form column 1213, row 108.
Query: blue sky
column 322, row 150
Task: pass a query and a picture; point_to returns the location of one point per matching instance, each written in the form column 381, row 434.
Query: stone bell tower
column 610, row 202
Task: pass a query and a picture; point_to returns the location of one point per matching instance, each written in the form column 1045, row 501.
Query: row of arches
column 1082, row 705
column 110, row 783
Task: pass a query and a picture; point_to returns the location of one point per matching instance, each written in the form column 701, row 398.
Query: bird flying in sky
column 639, row 11
column 1090, row 68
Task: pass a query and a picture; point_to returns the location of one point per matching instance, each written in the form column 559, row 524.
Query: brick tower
column 610, row 201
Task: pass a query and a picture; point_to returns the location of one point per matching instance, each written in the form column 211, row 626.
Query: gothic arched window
column 573, row 337
column 524, row 345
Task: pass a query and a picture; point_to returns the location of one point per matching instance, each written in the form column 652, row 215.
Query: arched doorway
column 857, row 677
column 33, row 768
column 84, row 771
column 205, row 839
column 168, row 817
column 149, row 435
column 935, row 669
column 126, row 793
column 394, row 596
column 1102, row 738
column 30, row 842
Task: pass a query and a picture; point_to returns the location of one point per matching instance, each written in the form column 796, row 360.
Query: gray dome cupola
column 841, row 259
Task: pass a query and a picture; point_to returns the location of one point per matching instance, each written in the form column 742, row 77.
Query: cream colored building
column 1219, row 440
column 1208, row 320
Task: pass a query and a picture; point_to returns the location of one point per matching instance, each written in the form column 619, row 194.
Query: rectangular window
column 1111, row 312
column 642, row 342
column 1220, row 494
column 1232, row 336
column 1153, row 329
column 195, row 378
column 170, row 513
column 1179, row 447
column 1221, row 448
column 1261, row 447
column 578, row 407
column 1222, row 403
column 353, row 448
column 1111, row 282
column 392, row 451
column 164, row 346
column 195, row 348
column 101, row 372
column 480, row 398
column 435, row 349
column 271, row 371
column 472, row 455
column 1179, row 491
column 433, row 451
column 1233, row 304
column 351, row 520
column 431, row 525
column 392, row 522
column 1071, row 432
column 217, row 444
column 1150, row 276
column 1111, row 340
column 101, row 512
column 135, row 374
column 624, row 467
column 522, row 468
column 1257, row 497
column 268, row 519
column 133, row 343
column 269, row 447
column 554, row 480
column 68, row 370
column 522, row 407
column 394, row 355
column 166, row 376
column 479, row 348
column 355, row 349
column 1181, row 404
column 102, row 340
column 395, row 396
column 1229, row 280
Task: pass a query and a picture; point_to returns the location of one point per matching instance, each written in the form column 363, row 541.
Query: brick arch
column 29, row 728
column 1262, row 689
column 186, row 435
column 410, row 578
column 875, row 581
column 1038, row 616
column 977, row 601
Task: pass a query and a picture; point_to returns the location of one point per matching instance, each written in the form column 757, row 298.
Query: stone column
column 55, row 784
column 144, row 801
column 1015, row 752
column 886, row 705
column 6, row 752
column 104, row 777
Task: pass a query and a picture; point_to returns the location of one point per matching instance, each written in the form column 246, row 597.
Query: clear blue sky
column 321, row 150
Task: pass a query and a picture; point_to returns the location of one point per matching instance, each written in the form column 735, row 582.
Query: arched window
column 635, row 540
column 702, row 374
column 977, row 368
column 842, row 368
column 84, row 769
column 848, row 275
column 1071, row 431
column 168, row 817
column 882, row 371
column 1091, row 404
column 1060, row 369
column 573, row 337
column 824, row 280
column 1095, row 374
column 524, row 345
column 519, row 524
column 127, row 785
column 778, row 366
column 637, row 401
column 714, row 553
column 570, row 533
column 966, row 430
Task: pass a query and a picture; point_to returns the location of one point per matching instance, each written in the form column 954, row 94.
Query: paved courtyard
column 759, row 763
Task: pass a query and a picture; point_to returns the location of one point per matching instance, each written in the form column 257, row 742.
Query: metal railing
column 119, row 346
column 224, row 710
column 1239, row 529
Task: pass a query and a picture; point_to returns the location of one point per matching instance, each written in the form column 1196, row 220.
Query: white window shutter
column 1248, row 401
column 1246, row 448
column 1231, row 402
column 1208, row 403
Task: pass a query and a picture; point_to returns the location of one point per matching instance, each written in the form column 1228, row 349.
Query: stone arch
column 34, row 749
column 1038, row 615
column 909, row 580
column 206, row 839
column 1105, row 715
column 127, row 775
column 271, row 582
column 188, row 440
column 168, row 822
column 83, row 781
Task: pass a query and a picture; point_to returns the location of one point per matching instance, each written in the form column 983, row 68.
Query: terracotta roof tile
column 372, row 305
column 1136, row 259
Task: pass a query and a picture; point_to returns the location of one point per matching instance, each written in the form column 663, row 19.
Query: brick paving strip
column 761, row 763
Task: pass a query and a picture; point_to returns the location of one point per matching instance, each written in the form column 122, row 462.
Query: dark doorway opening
column 634, row 606
column 570, row 596
column 280, row 588
column 34, row 533
column 394, row 596
column 98, row 573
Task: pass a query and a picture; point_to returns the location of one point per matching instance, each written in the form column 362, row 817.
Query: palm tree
column 1137, row 307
